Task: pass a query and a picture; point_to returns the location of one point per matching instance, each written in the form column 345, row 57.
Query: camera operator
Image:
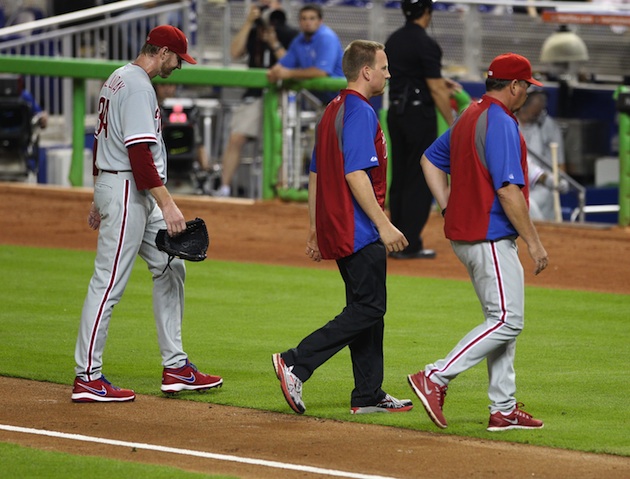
column 264, row 37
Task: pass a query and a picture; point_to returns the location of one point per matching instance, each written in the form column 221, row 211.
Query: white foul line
column 189, row 452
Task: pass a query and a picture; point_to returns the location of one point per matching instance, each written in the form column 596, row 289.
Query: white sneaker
column 223, row 192
column 290, row 384
column 387, row 404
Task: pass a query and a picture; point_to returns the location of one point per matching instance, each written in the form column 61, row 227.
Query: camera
column 270, row 18
column 263, row 20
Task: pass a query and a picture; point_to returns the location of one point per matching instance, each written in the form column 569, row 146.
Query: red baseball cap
column 172, row 38
column 511, row 66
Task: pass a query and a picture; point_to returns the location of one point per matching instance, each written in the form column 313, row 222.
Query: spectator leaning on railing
column 316, row 52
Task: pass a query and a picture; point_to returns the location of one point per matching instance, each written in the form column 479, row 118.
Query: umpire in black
column 416, row 88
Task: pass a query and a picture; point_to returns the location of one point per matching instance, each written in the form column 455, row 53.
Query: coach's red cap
column 172, row 38
column 511, row 66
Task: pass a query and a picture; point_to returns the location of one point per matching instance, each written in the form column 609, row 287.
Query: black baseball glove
column 191, row 244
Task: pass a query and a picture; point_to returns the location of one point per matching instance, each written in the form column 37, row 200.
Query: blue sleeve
column 359, row 131
column 313, row 166
column 439, row 153
column 326, row 54
column 28, row 98
column 290, row 60
column 503, row 149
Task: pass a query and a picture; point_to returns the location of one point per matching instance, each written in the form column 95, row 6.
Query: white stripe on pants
column 130, row 220
column 497, row 276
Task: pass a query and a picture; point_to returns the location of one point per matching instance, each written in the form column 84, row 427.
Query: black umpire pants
column 410, row 132
column 359, row 326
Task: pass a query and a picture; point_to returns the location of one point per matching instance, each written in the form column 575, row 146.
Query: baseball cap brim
column 188, row 59
column 533, row 81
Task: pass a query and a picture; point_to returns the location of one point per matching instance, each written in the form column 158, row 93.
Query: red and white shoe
column 432, row 396
column 188, row 378
column 100, row 390
column 290, row 384
column 387, row 404
column 517, row 419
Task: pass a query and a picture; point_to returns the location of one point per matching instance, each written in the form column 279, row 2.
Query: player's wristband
column 443, row 212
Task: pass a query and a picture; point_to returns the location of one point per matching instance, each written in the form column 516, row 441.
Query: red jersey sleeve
column 144, row 172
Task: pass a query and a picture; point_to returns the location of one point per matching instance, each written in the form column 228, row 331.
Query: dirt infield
column 584, row 258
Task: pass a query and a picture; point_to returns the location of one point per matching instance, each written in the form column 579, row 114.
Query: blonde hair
column 149, row 49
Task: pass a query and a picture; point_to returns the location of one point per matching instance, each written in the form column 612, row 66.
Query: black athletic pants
column 410, row 199
column 359, row 326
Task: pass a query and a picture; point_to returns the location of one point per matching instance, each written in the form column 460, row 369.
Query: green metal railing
column 624, row 154
column 81, row 70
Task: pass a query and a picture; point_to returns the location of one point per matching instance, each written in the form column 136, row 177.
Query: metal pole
column 78, row 132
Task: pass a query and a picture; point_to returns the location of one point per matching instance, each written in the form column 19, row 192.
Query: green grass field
column 572, row 358
column 27, row 463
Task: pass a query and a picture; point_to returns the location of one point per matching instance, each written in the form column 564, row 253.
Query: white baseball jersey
column 128, row 113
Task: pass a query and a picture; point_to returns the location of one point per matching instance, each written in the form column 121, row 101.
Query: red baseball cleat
column 517, row 419
column 432, row 396
column 188, row 378
column 100, row 390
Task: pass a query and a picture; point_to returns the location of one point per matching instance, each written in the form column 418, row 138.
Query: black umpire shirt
column 413, row 56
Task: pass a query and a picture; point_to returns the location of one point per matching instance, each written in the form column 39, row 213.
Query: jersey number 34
column 103, row 114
